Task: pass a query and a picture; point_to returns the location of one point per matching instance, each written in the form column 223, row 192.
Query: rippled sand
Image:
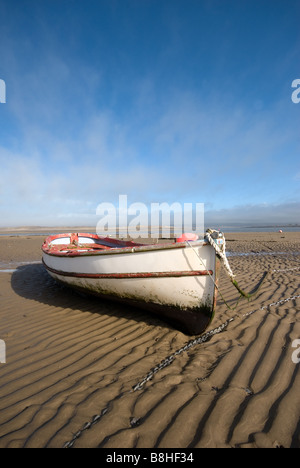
column 72, row 361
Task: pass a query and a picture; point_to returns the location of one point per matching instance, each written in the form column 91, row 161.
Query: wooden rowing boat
column 176, row 280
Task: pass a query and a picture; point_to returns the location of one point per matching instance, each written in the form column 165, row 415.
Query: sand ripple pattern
column 71, row 357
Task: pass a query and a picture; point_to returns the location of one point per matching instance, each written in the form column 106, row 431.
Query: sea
column 222, row 228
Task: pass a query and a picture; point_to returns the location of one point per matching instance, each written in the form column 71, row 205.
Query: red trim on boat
column 74, row 241
column 104, row 246
column 160, row 274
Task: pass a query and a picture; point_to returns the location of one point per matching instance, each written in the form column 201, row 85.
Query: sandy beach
column 72, row 361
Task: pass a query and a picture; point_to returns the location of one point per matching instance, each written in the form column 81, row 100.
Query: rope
column 220, row 252
column 222, row 255
column 215, row 284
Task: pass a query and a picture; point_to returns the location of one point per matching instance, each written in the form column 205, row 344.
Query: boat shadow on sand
column 33, row 282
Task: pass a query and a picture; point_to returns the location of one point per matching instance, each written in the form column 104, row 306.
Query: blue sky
column 164, row 101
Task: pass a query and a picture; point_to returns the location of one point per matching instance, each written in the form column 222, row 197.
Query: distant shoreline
column 45, row 230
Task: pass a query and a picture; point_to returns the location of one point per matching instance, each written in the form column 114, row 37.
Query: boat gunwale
column 130, row 247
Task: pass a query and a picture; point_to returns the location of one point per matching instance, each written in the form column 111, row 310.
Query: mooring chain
column 168, row 361
column 286, row 269
column 85, row 427
column 201, row 339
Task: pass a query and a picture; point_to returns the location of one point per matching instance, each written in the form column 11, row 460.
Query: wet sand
column 72, row 361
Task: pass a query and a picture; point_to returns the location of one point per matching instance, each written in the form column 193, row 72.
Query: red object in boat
column 187, row 237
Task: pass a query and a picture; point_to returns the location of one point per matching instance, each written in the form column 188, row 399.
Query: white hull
column 168, row 278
